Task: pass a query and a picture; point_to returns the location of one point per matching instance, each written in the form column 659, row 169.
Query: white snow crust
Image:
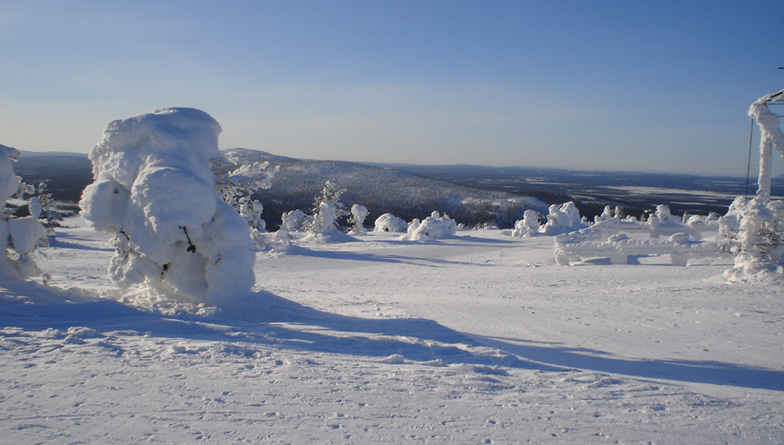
column 479, row 338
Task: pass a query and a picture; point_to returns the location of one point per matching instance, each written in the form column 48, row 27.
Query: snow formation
column 327, row 209
column 19, row 237
column 529, row 225
column 752, row 230
column 562, row 219
column 358, row 215
column 390, row 223
column 174, row 236
column 434, row 226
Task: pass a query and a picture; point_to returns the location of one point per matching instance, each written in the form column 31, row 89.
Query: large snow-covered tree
column 174, row 234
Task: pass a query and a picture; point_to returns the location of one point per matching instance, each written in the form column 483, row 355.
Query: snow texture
column 154, row 191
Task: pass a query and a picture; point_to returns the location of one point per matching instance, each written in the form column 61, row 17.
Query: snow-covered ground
column 480, row 338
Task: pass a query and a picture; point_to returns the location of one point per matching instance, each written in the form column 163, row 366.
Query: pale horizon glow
column 615, row 85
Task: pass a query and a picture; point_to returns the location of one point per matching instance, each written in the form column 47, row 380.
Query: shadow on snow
column 266, row 319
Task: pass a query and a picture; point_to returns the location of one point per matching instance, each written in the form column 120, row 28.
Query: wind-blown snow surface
column 475, row 339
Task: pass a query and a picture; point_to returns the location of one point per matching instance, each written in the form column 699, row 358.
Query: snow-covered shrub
column 278, row 241
column 390, row 223
column 434, row 226
column 562, row 219
column 665, row 216
column 42, row 207
column 752, row 231
column 358, row 215
column 175, row 237
column 529, row 225
column 238, row 181
column 19, row 237
column 664, row 223
column 251, row 211
column 327, row 209
column 608, row 213
column 293, row 220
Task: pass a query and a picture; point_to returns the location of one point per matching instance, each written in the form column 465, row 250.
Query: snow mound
column 155, row 191
column 390, row 223
column 434, row 226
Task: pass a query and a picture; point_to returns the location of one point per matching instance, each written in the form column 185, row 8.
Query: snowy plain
column 477, row 339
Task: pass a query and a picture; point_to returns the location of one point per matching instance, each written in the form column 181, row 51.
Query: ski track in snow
column 477, row 339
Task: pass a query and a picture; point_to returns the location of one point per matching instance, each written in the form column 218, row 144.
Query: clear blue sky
column 614, row 85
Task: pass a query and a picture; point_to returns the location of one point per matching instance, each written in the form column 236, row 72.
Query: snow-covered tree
column 238, row 181
column 529, row 225
column 42, row 207
column 753, row 230
column 327, row 209
column 175, row 237
column 434, row 226
column 562, row 219
column 293, row 220
column 19, row 237
column 358, row 215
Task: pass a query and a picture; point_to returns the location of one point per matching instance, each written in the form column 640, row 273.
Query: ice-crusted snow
column 480, row 338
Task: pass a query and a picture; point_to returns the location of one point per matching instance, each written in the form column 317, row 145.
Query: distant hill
column 635, row 192
column 384, row 190
column 66, row 174
column 297, row 182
